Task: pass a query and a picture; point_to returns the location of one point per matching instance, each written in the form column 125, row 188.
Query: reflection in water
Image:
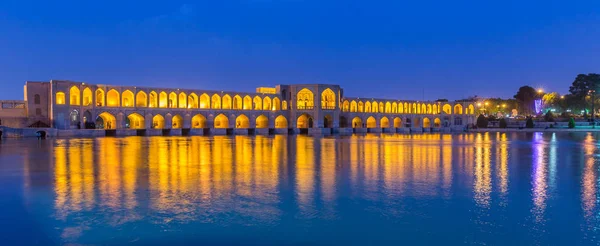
column 252, row 180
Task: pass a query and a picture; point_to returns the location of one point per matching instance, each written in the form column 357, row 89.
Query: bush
column 549, row 117
column 571, row 123
column 482, row 122
column 502, row 123
column 529, row 123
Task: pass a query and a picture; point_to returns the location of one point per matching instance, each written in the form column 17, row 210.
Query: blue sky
column 384, row 49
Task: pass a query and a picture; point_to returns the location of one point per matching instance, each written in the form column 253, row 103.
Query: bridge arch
column 221, row 121
column 135, row 121
column 371, row 122
column 397, row 122
column 357, row 122
column 262, row 121
column 199, row 121
column 426, row 122
column 106, row 120
column 281, row 122
column 177, row 122
column 384, row 122
column 158, row 122
column 242, row 121
column 304, row 121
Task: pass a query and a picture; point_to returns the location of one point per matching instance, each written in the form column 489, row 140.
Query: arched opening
column 394, row 107
column 327, row 99
column 397, row 122
column 357, row 122
column 60, row 98
column 100, row 98
column 388, row 107
column 437, row 123
column 221, row 121
column 374, row 107
column 127, row 97
column 158, row 122
column 87, row 97
column 112, row 98
column 408, row 122
column 172, row 100
column 106, row 121
column 177, row 122
column 281, row 122
column 192, row 100
column 87, row 120
column 247, row 103
column 74, row 118
column 416, row 122
column 304, row 121
column 426, row 123
column 36, row 99
column 226, row 102
column 135, row 121
column 153, row 102
column 429, row 108
column 198, row 121
column 327, row 121
column 284, row 105
column 182, row 100
column 140, row 99
column 267, row 103
column 74, row 96
column 385, row 122
column 381, row 107
column 458, row 109
column 346, row 106
column 423, row 109
column 204, row 101
column 262, row 121
column 305, row 100
column 361, row 107
column 471, row 109
column 353, row 106
column 276, row 103
column 257, row 103
column 216, row 101
column 400, row 108
column 163, row 100
column 237, row 102
column 371, row 122
column 368, row 107
column 447, row 109
column 343, row 122
column 435, row 109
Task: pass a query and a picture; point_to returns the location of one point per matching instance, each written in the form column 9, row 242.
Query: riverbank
column 578, row 129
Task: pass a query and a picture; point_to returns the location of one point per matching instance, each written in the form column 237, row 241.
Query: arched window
column 305, row 99
column 458, row 109
column 60, row 98
column 284, row 106
column 87, row 97
column 267, row 103
column 182, row 100
column 353, row 106
column 112, row 98
column 100, row 98
column 172, row 100
column 153, row 102
column 216, row 101
column 346, row 106
column 237, row 102
column 247, row 103
column 257, row 103
column 327, row 99
column 127, row 99
column 163, row 100
column 361, row 107
column 204, row 101
column 276, row 104
column 192, row 100
column 226, row 102
column 140, row 99
column 74, row 96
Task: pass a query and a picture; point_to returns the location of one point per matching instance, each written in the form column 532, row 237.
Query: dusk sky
column 381, row 49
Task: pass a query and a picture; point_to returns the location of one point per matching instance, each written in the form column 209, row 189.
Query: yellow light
column 540, row 91
column 486, row 103
column 562, row 97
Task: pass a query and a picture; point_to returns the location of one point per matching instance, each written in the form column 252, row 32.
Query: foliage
column 502, row 123
column 549, row 117
column 482, row 122
column 571, row 123
column 584, row 83
column 529, row 122
column 525, row 97
column 551, row 100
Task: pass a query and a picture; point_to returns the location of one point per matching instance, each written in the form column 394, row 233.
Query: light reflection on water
column 489, row 188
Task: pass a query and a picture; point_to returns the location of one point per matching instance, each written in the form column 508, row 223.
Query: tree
column 584, row 83
column 529, row 122
column 549, row 117
column 571, row 123
column 525, row 98
column 551, row 100
column 502, row 123
column 482, row 122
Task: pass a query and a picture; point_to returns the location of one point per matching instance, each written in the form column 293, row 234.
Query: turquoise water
column 479, row 189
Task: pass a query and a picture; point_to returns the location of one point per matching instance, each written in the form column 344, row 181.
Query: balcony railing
column 306, row 107
column 328, row 107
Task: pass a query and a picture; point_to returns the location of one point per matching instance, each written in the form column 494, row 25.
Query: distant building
column 283, row 108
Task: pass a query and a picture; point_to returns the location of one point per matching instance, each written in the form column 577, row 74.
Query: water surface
column 480, row 189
